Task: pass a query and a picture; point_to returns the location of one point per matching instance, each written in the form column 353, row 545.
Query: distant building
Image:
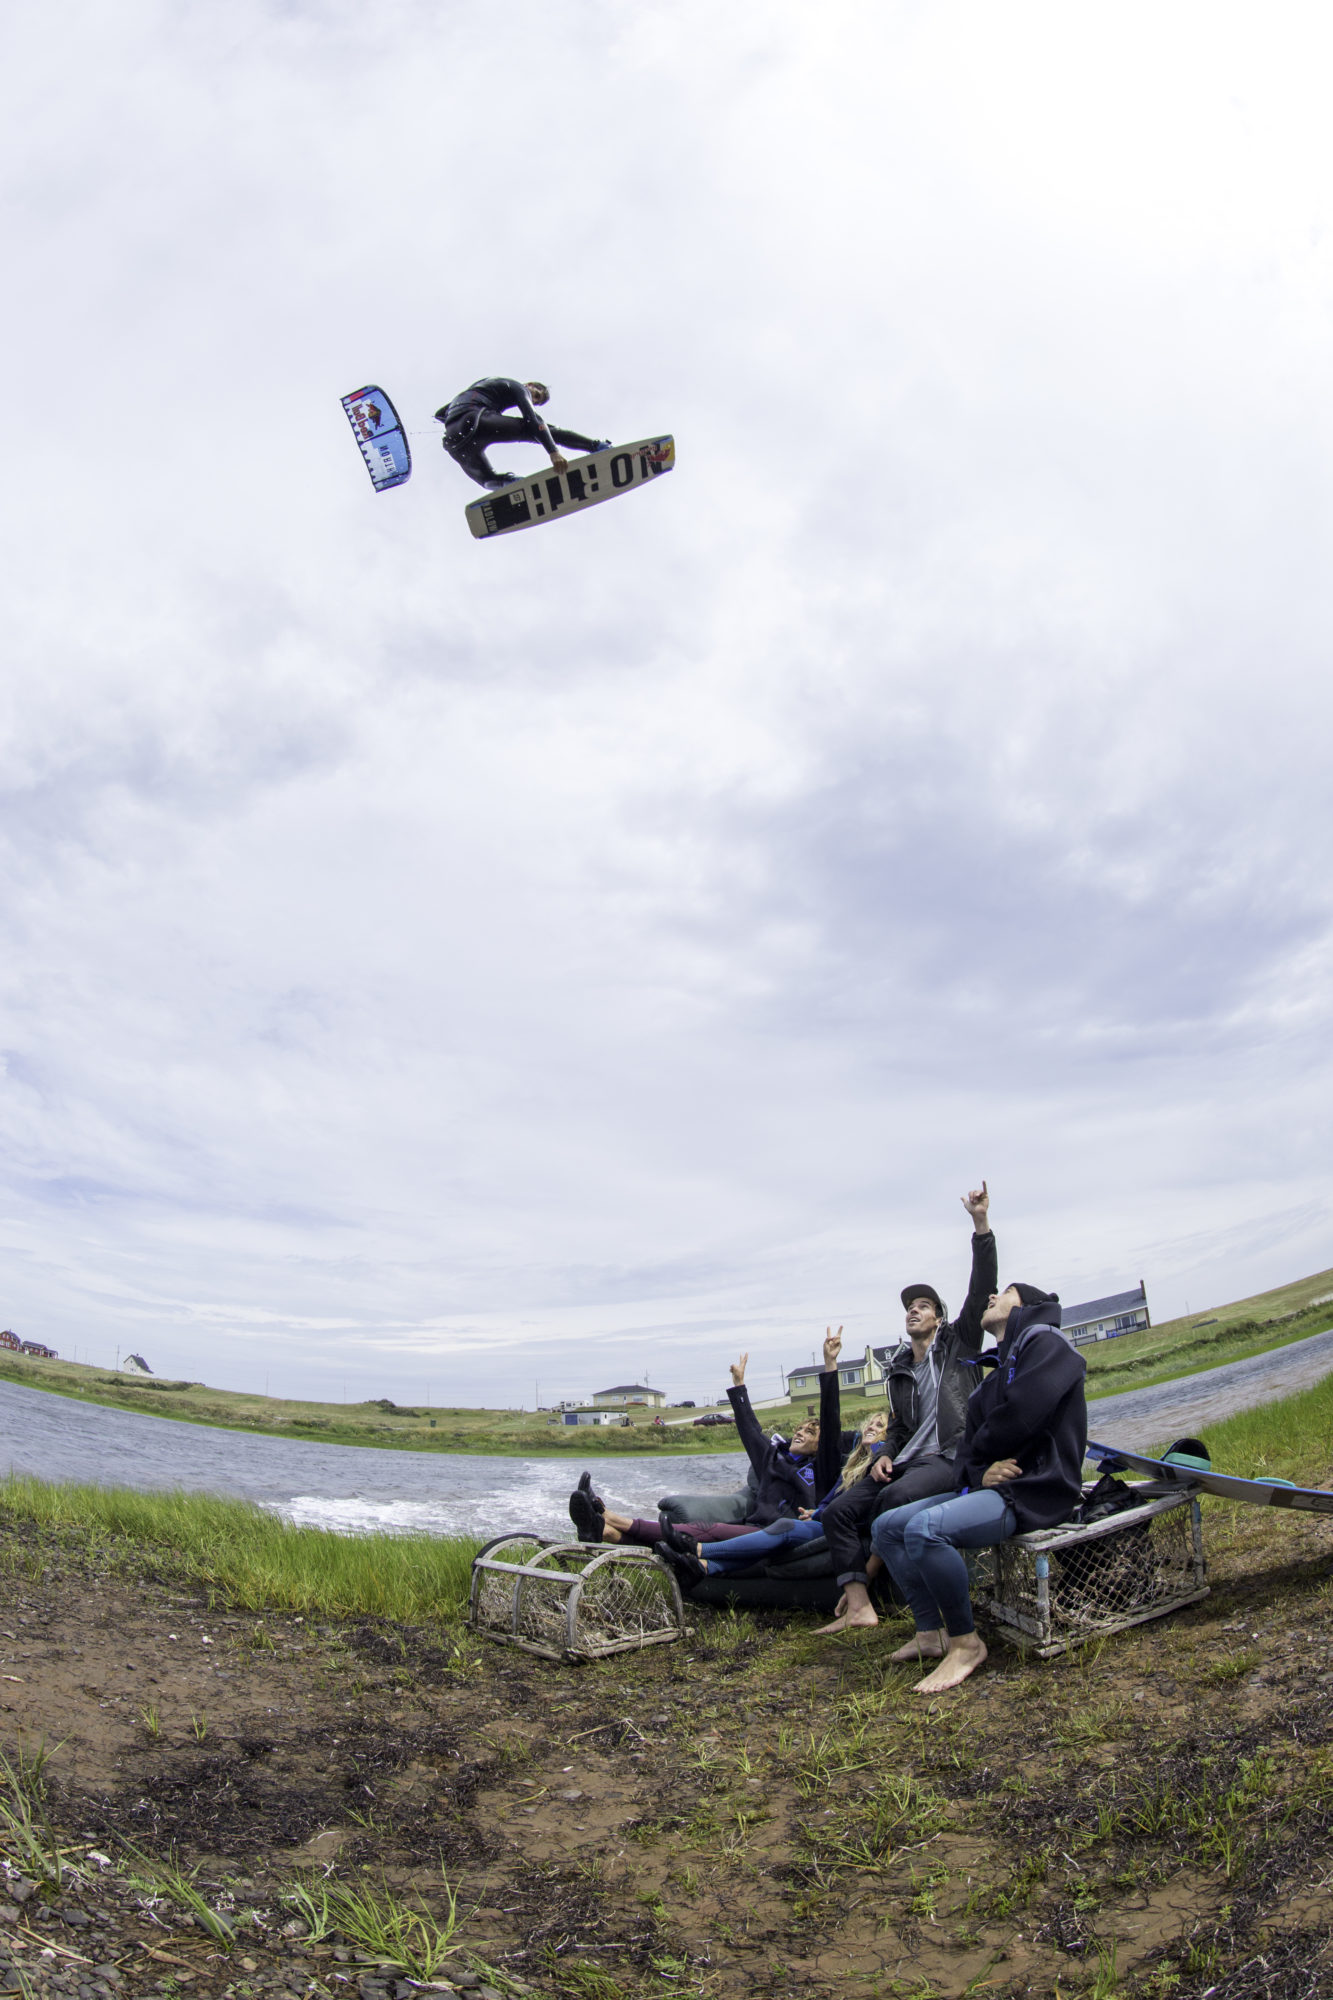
column 41, row 1353
column 10, row 1340
column 627, row 1394
column 852, row 1374
column 134, row 1364
column 587, row 1417
column 1108, row 1318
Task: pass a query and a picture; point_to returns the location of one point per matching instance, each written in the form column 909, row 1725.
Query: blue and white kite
column 383, row 442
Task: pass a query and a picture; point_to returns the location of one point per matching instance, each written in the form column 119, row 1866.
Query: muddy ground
column 752, row 1811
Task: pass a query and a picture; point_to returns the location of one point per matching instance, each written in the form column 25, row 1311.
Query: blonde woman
column 686, row 1554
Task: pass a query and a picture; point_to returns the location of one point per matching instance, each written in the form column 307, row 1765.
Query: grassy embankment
column 1160, row 1354
column 253, row 1561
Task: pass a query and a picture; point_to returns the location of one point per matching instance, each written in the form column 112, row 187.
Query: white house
column 629, row 1393
column 1107, row 1319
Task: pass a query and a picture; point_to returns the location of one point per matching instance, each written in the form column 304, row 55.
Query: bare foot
column 922, row 1646
column 847, row 1621
column 964, row 1656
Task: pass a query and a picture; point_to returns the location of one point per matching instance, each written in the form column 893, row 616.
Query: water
column 356, row 1489
column 353, row 1488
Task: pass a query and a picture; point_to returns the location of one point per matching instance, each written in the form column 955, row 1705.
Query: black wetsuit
column 475, row 420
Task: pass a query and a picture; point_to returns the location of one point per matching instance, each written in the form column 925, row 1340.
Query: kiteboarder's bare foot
column 964, row 1656
column 854, row 1609
column 922, row 1646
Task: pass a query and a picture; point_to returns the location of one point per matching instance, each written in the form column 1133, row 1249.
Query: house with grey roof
column 1108, row 1318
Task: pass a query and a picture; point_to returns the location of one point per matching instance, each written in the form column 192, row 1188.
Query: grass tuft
column 258, row 1562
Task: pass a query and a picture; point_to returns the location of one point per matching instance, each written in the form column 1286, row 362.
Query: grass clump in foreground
column 257, row 1561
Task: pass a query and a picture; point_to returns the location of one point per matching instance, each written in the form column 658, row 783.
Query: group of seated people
column 974, row 1444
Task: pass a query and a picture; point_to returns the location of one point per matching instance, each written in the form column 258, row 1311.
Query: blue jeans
column 743, row 1550
column 919, row 1546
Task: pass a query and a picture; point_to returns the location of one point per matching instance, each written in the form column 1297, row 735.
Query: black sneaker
column 689, row 1570
column 674, row 1539
column 499, row 479
column 585, row 1486
column 603, row 444
column 587, row 1521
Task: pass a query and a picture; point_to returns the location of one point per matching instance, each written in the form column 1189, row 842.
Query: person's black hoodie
column 1032, row 1408
column 784, row 1484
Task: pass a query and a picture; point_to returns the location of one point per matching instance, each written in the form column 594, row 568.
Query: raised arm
column 828, row 1459
column 985, row 1271
column 747, row 1423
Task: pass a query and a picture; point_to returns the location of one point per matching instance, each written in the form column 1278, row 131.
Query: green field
column 1206, row 1339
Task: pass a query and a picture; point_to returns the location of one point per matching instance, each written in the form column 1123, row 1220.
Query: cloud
column 624, row 942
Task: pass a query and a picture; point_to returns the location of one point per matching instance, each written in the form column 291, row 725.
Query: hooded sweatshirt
column 1030, row 1408
column 783, row 1483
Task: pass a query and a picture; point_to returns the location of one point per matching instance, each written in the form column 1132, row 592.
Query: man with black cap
column 930, row 1377
column 1019, row 1467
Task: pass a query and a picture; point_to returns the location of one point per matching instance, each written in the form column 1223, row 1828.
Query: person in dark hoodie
column 1019, row 1466
column 791, row 1475
column 930, row 1377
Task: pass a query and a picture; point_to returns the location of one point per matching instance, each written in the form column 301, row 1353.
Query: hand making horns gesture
column 738, row 1370
column 832, row 1346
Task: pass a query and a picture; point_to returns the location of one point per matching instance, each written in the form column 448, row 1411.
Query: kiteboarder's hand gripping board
column 526, row 503
column 1195, row 1473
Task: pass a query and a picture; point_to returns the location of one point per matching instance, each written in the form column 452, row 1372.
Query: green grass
column 255, row 1560
column 1291, row 1439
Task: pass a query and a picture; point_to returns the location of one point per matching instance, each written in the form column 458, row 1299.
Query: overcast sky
column 443, row 968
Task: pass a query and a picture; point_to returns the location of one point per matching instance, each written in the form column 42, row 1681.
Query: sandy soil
column 753, row 1811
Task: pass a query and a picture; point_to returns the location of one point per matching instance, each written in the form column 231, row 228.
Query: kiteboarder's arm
column 529, row 410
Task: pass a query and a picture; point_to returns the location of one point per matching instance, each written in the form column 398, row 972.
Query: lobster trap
column 1055, row 1589
column 573, row 1600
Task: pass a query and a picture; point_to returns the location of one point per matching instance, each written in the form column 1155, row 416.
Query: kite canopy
column 380, row 435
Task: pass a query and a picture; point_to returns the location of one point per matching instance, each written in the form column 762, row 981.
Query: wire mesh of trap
column 1052, row 1591
column 572, row 1599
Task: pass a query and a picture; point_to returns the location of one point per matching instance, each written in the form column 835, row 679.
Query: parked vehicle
column 713, row 1417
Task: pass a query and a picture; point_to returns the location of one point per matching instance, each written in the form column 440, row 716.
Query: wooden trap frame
column 1055, row 1589
column 573, row 1600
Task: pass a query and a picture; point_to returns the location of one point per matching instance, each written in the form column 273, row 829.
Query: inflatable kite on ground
column 380, row 435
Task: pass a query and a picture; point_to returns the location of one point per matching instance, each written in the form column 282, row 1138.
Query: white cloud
column 601, row 948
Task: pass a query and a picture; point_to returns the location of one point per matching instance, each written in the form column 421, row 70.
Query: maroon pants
column 697, row 1531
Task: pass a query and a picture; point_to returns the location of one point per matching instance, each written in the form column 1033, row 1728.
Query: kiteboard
column 585, row 482
column 1188, row 1471
column 376, row 428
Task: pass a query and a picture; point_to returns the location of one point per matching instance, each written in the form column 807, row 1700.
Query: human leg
column 743, row 1551
column 920, row 1545
column 576, row 440
column 846, row 1518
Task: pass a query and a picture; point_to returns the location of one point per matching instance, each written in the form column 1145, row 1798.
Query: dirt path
column 753, row 1812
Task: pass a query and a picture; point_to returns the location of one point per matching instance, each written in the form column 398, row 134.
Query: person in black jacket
column 1019, row 1466
column 791, row 1475
column 930, row 1377
column 475, row 419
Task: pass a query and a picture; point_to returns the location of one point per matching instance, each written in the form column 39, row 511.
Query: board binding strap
column 1187, row 1464
column 585, row 482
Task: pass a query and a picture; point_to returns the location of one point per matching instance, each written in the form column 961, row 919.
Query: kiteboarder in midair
column 475, row 420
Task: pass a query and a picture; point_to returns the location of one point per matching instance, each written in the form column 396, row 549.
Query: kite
column 381, row 437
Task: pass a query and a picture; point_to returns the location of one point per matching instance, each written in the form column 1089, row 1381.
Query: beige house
column 852, row 1374
column 628, row 1394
